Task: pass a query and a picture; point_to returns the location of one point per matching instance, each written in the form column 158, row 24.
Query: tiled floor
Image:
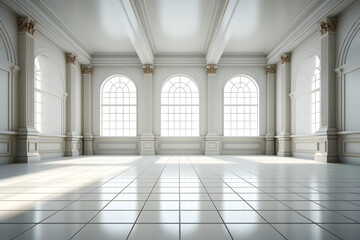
column 179, row 197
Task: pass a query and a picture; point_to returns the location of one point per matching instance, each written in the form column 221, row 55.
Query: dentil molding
column 26, row 24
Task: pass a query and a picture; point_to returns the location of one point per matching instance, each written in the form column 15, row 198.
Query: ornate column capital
column 70, row 58
column 271, row 69
column 86, row 69
column 285, row 58
column 328, row 25
column 211, row 68
column 26, row 24
column 148, row 69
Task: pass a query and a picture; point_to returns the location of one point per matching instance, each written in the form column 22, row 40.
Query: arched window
column 241, row 107
column 180, row 107
column 118, row 107
column 315, row 100
column 48, row 97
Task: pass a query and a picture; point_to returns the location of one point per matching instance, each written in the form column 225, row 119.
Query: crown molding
column 48, row 24
column 115, row 60
column 304, row 25
column 243, row 60
column 181, row 59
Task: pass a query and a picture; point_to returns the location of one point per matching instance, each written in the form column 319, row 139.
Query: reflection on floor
column 179, row 197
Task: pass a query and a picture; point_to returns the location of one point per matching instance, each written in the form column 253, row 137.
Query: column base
column 326, row 150
column 27, row 146
column 269, row 145
column 88, row 145
column 72, row 146
column 212, row 145
column 147, row 144
column 284, row 146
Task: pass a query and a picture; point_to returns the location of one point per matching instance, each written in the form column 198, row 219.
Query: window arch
column 241, row 107
column 118, row 107
column 180, row 107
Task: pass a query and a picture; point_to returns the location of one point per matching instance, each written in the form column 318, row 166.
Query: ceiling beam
column 227, row 20
column 132, row 24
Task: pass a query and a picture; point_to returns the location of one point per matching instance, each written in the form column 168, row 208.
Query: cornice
column 115, row 60
column 304, row 25
column 182, row 60
column 243, row 60
column 48, row 24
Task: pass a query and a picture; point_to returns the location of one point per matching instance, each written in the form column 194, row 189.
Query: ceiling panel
column 179, row 26
column 261, row 24
column 95, row 22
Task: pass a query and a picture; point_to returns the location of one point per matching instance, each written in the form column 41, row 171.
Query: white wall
column 8, row 82
column 348, row 84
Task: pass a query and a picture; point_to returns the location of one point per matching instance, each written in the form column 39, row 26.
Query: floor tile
column 241, row 217
column 71, row 217
column 204, row 231
column 124, row 205
column 158, row 217
column 253, row 232
column 34, row 205
column 303, row 205
column 103, row 231
column 325, row 217
column 161, row 205
column 86, row 205
column 197, row 205
column 283, row 217
column 344, row 231
column 354, row 215
column 24, row 216
column 115, row 217
column 267, row 205
column 232, row 205
column 200, row 217
column 50, row 231
column 303, row 231
column 338, row 205
column 164, row 197
column 9, row 231
column 134, row 197
column 155, row 232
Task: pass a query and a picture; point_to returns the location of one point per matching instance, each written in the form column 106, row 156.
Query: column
column 28, row 136
column 212, row 144
column 327, row 133
column 270, row 110
column 71, row 140
column 147, row 143
column 86, row 71
column 284, row 139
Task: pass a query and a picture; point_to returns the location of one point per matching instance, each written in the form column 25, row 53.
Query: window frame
column 191, row 105
column 101, row 106
column 315, row 126
column 257, row 104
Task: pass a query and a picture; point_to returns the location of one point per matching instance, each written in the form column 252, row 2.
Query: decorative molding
column 26, row 24
column 285, row 58
column 304, row 25
column 328, row 25
column 243, row 60
column 148, row 69
column 70, row 58
column 86, row 69
column 271, row 69
column 211, row 68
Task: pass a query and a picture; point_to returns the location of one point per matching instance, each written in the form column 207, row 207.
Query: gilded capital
column 271, row 69
column 328, row 25
column 211, row 68
column 86, row 69
column 70, row 58
column 148, row 69
column 26, row 24
column 285, row 58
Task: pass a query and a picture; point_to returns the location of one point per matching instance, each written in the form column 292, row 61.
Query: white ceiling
column 261, row 24
column 96, row 23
